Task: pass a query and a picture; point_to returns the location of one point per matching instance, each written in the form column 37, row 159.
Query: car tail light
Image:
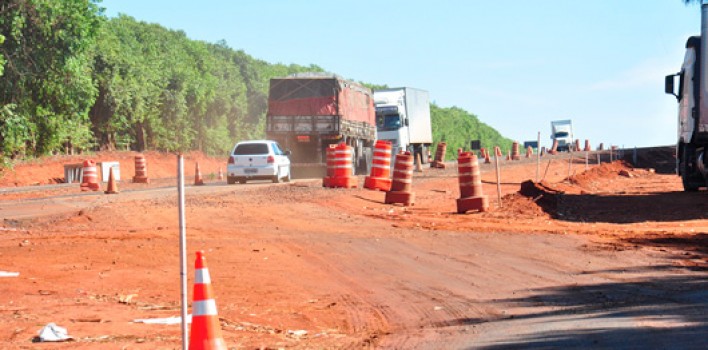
column 271, row 159
column 231, row 160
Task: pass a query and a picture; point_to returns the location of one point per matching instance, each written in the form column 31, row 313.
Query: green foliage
column 457, row 128
column 46, row 88
column 74, row 80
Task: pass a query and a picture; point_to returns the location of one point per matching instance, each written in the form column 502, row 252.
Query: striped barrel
column 402, row 172
column 206, row 330
column 140, row 170
column 471, row 194
column 342, row 162
column 89, row 180
column 379, row 178
column 381, row 163
column 439, row 161
column 515, row 155
column 468, row 175
column 340, row 172
column 402, row 181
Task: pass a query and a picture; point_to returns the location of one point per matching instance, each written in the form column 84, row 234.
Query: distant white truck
column 403, row 118
column 562, row 131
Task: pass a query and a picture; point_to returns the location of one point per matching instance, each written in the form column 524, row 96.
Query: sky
column 516, row 65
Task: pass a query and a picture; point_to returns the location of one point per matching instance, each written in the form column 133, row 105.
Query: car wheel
column 242, row 181
column 230, row 180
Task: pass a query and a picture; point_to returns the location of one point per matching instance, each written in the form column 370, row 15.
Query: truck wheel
column 230, row 180
column 690, row 177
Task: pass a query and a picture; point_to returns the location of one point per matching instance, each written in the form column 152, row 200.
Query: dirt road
column 600, row 260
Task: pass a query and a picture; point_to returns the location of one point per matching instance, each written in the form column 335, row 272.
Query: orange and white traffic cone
column 206, row 330
column 221, row 174
column 112, row 186
column 198, row 176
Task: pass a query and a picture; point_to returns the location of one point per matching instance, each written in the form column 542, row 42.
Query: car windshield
column 251, row 149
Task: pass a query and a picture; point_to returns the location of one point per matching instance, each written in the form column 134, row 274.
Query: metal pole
column 538, row 155
column 570, row 163
column 182, row 248
column 496, row 164
column 610, row 153
column 546, row 172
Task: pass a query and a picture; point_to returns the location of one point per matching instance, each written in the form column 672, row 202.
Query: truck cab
column 403, row 118
column 562, row 131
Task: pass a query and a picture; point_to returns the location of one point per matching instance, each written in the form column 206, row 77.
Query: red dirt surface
column 301, row 266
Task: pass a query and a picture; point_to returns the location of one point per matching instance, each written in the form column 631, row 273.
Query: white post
column 538, row 156
column 182, row 249
column 496, row 164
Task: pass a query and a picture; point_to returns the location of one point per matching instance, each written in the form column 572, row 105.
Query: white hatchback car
column 258, row 160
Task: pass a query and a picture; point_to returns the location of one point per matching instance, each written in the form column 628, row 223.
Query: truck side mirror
column 669, row 85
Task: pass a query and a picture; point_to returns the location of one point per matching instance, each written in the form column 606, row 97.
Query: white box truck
column 562, row 131
column 403, row 118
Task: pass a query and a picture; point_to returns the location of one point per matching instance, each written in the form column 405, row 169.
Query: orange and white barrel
column 439, row 161
column 471, row 194
column 89, row 180
column 339, row 169
column 402, row 181
column 140, row 170
column 379, row 178
column 515, row 155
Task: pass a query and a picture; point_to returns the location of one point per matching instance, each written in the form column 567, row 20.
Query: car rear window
column 251, row 148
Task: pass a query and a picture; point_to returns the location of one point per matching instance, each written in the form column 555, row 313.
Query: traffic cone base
column 398, row 197
column 472, row 203
column 373, row 183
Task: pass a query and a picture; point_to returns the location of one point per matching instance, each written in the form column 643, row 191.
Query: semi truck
column 692, row 97
column 403, row 118
column 309, row 112
column 562, row 131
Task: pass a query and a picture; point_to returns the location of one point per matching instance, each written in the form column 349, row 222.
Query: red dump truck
column 309, row 112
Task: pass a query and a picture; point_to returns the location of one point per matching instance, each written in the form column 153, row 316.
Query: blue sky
column 517, row 65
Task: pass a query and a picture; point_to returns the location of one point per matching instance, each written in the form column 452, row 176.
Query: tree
column 46, row 88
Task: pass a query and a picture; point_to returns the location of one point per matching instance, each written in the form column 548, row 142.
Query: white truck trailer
column 403, row 118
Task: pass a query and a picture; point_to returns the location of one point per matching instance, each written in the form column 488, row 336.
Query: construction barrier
column 471, row 194
column 587, row 146
column 380, row 176
column 402, row 180
column 601, row 146
column 140, row 170
column 515, row 155
column 340, row 170
column 439, row 161
column 198, row 180
column 112, row 186
column 554, row 148
column 577, row 145
column 89, row 180
column 205, row 332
